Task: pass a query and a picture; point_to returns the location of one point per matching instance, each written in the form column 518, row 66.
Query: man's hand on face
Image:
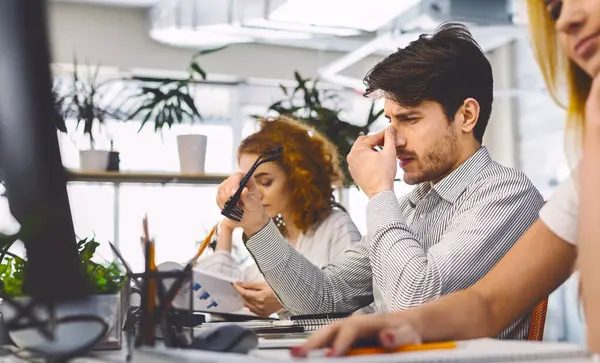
column 374, row 171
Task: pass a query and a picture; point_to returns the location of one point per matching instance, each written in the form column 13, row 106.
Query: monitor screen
column 30, row 163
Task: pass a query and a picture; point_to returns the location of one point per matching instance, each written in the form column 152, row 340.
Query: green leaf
column 158, row 123
column 146, row 118
column 190, row 102
column 196, row 68
column 373, row 116
column 169, row 119
column 178, row 112
column 299, row 79
column 208, row 51
column 275, row 106
column 154, row 91
column 284, row 89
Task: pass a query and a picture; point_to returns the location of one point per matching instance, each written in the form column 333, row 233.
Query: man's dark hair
column 446, row 67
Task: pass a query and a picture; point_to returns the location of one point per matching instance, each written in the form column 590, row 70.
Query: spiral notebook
column 298, row 326
column 317, row 321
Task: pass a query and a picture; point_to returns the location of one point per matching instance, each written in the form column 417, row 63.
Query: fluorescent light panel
column 295, row 27
column 366, row 15
column 220, row 34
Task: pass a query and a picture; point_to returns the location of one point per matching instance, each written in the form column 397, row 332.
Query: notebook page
column 211, row 292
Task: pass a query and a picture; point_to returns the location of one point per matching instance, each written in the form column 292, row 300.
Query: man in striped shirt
column 465, row 212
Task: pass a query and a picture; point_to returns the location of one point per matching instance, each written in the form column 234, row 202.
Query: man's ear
column 468, row 114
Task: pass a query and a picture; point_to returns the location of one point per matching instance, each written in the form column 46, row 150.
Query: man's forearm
column 399, row 262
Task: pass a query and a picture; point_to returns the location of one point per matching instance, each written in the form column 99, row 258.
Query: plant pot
column 192, row 153
column 69, row 336
column 93, row 160
column 113, row 161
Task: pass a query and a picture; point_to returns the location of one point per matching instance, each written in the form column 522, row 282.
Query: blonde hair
column 557, row 68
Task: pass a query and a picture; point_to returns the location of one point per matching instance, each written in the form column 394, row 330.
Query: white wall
column 117, row 36
column 501, row 136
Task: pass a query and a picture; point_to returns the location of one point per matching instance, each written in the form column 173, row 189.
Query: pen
column 401, row 349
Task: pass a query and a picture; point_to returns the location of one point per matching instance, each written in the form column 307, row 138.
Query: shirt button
column 422, row 216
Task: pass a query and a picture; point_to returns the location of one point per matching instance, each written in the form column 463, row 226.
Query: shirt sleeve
column 344, row 285
column 483, row 228
column 222, row 263
column 343, row 234
column 560, row 214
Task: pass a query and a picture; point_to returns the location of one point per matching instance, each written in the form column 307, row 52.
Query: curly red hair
column 310, row 161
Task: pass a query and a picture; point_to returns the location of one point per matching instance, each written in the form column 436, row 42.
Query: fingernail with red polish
column 298, row 352
column 388, row 339
column 330, row 353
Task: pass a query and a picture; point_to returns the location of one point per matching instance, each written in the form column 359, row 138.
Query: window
column 357, row 201
column 179, row 215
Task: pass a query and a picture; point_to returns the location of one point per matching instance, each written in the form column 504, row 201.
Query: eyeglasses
column 231, row 209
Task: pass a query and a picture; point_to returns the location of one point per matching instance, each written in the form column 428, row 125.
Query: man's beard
column 436, row 161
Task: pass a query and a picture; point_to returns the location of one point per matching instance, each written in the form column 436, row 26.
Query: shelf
column 140, row 177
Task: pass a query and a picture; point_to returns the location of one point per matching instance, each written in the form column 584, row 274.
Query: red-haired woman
column 297, row 191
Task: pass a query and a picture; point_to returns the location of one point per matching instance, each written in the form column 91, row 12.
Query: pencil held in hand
column 204, row 244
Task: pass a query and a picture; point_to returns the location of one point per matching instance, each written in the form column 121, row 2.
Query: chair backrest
column 538, row 321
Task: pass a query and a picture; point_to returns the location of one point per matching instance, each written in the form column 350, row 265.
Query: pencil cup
column 192, row 153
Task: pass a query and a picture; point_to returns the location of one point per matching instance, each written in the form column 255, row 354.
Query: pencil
column 151, row 281
column 402, row 349
column 176, row 286
column 204, row 244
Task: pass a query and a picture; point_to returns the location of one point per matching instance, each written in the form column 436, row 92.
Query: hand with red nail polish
column 392, row 330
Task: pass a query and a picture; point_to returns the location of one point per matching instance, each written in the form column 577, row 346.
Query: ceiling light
column 194, row 38
column 296, row 27
column 354, row 14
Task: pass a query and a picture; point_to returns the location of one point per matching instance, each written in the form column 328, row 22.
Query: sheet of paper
column 210, row 292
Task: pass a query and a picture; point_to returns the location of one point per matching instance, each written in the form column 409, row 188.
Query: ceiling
column 303, row 24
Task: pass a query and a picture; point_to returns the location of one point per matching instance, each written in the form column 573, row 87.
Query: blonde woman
column 566, row 36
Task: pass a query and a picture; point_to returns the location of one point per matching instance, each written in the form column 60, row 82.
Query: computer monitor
column 30, row 162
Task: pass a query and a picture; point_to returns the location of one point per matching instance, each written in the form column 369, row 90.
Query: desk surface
column 484, row 347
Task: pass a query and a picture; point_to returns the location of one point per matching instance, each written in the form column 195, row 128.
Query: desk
column 280, row 356
column 162, row 355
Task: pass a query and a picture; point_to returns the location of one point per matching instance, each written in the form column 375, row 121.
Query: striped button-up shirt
column 436, row 240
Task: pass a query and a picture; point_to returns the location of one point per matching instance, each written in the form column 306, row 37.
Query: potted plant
column 107, row 281
column 86, row 103
column 168, row 101
column 318, row 108
column 60, row 113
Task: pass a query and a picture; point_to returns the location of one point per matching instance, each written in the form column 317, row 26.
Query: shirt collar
column 452, row 186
